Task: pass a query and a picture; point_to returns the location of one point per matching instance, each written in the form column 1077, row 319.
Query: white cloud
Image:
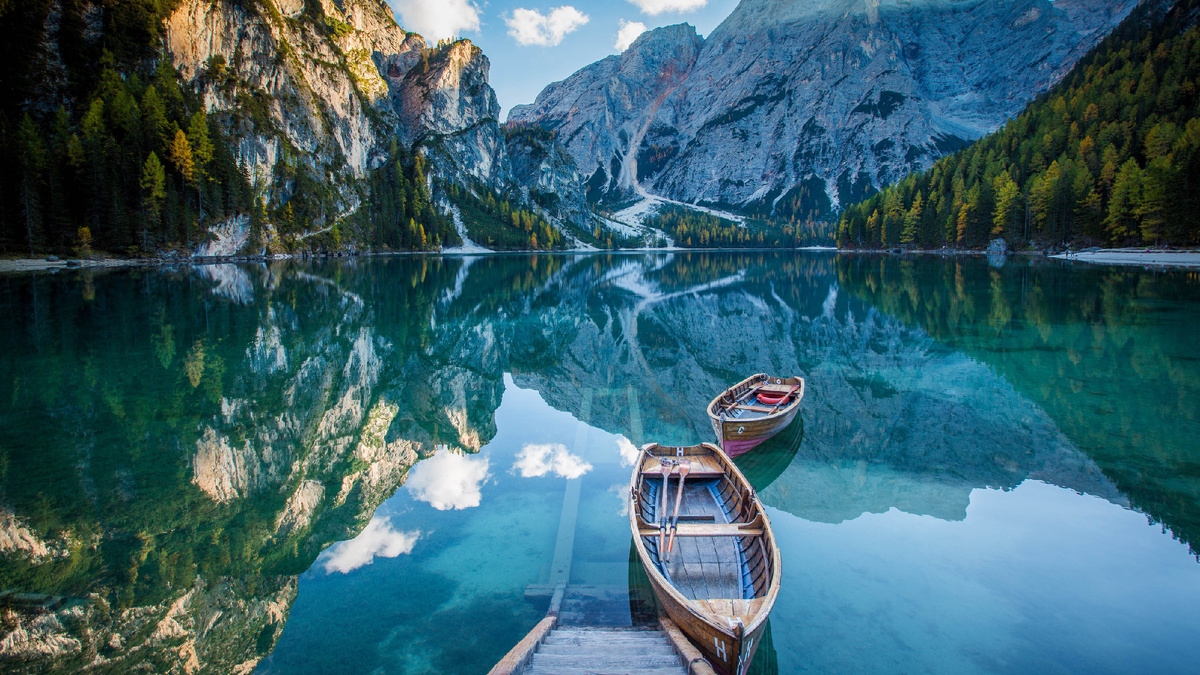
column 448, row 480
column 539, row 460
column 654, row 7
column 628, row 32
column 629, row 452
column 378, row 540
column 531, row 27
column 621, row 492
column 437, row 19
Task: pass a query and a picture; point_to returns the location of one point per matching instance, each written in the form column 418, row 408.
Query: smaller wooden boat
column 753, row 410
column 708, row 549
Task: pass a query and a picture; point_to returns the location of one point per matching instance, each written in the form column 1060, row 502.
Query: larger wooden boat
column 753, row 410
column 715, row 567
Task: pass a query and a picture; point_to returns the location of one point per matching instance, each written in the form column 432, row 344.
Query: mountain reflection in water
column 182, row 445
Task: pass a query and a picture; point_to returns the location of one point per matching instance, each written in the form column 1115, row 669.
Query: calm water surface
column 364, row 465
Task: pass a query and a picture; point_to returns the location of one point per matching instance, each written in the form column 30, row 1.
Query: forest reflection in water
column 184, row 444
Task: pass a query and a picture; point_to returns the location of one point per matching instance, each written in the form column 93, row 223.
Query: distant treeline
column 698, row 229
column 399, row 214
column 497, row 223
column 1109, row 155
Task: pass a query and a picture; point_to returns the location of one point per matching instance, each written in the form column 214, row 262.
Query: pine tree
column 1007, row 210
column 31, row 157
column 181, row 157
column 912, row 221
column 154, row 190
column 1123, row 203
column 202, row 152
column 154, row 119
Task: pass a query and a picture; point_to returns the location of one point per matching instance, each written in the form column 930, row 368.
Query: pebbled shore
column 1135, row 256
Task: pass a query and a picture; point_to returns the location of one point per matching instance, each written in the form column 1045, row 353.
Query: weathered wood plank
column 696, row 662
column 520, row 656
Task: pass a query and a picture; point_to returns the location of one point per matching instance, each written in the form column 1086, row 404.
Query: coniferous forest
column 1110, row 155
column 117, row 156
column 699, row 229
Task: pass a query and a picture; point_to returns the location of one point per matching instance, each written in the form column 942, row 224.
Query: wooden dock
column 590, row 629
column 554, row 649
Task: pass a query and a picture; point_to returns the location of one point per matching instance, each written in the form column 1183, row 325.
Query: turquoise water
column 363, row 465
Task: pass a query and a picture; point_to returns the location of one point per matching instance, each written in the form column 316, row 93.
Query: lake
column 363, row 465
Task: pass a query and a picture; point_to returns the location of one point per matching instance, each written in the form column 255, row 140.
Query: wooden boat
column 753, row 410
column 716, row 572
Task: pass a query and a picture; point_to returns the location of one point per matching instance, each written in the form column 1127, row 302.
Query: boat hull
column 727, row 631
column 738, row 436
column 728, row 654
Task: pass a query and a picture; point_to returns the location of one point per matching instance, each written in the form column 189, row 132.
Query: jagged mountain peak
column 796, row 107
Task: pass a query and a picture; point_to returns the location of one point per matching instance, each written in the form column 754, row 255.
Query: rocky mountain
column 267, row 124
column 338, row 87
column 794, row 108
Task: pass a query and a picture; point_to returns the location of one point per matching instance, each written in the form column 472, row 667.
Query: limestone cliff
column 339, row 87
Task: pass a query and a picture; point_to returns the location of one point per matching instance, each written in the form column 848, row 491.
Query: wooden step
column 602, row 648
column 604, row 670
column 556, row 639
column 630, row 662
column 596, row 650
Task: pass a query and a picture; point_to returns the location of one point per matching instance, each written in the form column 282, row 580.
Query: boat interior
column 719, row 557
column 760, row 400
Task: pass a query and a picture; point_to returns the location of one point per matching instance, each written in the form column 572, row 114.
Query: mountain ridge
column 764, row 118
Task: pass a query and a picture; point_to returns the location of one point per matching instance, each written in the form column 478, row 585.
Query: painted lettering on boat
column 720, row 648
column 743, row 660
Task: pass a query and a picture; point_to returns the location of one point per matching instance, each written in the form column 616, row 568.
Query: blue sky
column 532, row 43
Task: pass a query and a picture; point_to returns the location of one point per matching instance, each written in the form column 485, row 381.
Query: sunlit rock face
column 224, row 625
column 808, row 105
column 340, row 87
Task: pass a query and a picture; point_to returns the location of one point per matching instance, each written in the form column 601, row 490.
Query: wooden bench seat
column 683, row 529
column 700, row 468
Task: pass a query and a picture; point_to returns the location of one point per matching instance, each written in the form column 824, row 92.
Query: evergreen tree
column 31, row 158
column 154, row 190
column 181, row 157
column 202, row 152
column 1007, row 210
column 912, row 221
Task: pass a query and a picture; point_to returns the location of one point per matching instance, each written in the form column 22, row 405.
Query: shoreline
column 1189, row 259
column 1184, row 259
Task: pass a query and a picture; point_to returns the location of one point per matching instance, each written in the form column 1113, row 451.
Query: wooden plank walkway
column 579, row 650
column 587, row 628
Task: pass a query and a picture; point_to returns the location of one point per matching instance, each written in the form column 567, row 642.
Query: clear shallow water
column 361, row 466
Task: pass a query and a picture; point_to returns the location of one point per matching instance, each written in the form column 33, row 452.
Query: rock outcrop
column 336, row 88
column 794, row 108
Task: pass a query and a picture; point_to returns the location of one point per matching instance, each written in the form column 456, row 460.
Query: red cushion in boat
column 772, row 400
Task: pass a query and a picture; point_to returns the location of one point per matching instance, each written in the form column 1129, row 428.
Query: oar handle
column 685, row 467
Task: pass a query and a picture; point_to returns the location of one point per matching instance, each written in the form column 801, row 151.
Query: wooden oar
column 752, row 391
column 665, row 467
column 684, row 467
column 784, row 399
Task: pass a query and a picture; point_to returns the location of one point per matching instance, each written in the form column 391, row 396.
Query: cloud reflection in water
column 629, row 452
column 378, row 540
column 538, row 460
column 448, row 480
